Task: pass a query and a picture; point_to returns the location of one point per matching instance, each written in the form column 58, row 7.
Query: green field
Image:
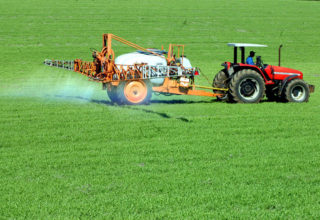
column 67, row 152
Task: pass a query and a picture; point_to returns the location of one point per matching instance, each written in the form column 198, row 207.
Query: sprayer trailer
column 131, row 78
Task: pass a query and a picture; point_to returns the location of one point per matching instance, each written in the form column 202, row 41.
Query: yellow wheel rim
column 135, row 91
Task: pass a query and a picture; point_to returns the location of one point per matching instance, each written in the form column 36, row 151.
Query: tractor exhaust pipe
column 280, row 54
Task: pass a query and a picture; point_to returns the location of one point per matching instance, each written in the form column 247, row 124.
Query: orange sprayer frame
column 103, row 69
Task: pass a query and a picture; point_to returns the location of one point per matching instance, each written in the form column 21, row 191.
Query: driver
column 250, row 58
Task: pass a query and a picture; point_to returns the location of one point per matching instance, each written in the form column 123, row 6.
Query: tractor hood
column 284, row 71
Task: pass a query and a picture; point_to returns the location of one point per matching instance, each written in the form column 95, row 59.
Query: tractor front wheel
column 296, row 90
column 247, row 86
column 134, row 92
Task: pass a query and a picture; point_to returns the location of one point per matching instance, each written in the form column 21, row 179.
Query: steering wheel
column 259, row 62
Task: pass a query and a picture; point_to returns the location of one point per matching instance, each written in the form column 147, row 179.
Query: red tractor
column 249, row 83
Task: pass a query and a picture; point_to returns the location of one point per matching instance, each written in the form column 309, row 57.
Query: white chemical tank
column 139, row 57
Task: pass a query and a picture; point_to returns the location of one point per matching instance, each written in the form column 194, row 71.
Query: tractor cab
column 264, row 69
column 270, row 73
column 242, row 47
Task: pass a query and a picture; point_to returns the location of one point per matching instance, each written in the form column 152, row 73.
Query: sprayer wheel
column 112, row 93
column 134, row 92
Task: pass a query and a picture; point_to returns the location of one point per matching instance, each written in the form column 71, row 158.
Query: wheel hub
column 298, row 93
column 135, row 91
column 247, row 88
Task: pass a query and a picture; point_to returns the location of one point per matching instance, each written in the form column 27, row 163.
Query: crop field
column 67, row 152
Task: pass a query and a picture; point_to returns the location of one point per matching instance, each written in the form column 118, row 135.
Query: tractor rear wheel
column 220, row 81
column 134, row 92
column 247, row 86
column 296, row 90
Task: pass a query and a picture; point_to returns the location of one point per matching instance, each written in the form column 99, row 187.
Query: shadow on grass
column 174, row 101
column 161, row 114
column 179, row 101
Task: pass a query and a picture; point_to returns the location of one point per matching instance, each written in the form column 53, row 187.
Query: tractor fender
column 257, row 69
column 285, row 82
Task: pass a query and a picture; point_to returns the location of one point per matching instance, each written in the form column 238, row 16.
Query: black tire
column 296, row 90
column 124, row 99
column 247, row 86
column 220, row 81
column 112, row 93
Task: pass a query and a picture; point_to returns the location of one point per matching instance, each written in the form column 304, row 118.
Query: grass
column 66, row 152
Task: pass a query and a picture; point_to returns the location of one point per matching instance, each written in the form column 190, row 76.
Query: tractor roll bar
column 242, row 47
